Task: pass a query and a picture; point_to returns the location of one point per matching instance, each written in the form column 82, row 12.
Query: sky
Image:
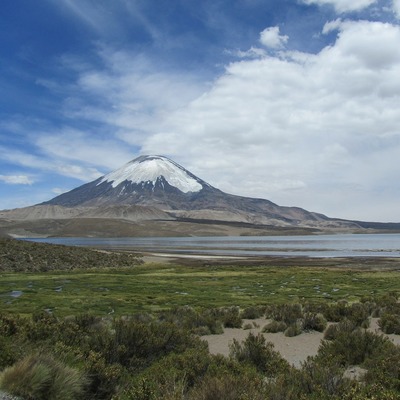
column 294, row 101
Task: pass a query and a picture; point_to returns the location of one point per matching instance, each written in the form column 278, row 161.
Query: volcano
column 155, row 188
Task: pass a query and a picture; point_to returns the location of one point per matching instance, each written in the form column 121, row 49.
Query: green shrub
column 288, row 313
column 384, row 370
column 8, row 352
column 294, row 329
column 190, row 319
column 19, row 255
column 105, row 377
column 388, row 300
column 41, row 377
column 171, row 376
column 255, row 350
column 336, row 312
column 358, row 313
column 10, row 325
column 44, row 326
column 390, row 323
column 359, row 391
column 253, row 312
column 274, row 327
column 231, row 317
column 313, row 381
column 353, row 348
column 136, row 345
column 344, row 327
column 314, row 322
column 143, row 389
column 228, row 387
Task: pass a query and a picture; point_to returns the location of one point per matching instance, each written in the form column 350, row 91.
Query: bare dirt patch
column 294, row 349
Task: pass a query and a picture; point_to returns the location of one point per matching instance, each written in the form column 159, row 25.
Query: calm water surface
column 346, row 245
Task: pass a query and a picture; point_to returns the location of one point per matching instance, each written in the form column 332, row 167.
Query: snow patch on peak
column 149, row 169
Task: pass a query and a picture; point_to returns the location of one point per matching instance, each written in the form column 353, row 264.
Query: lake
column 341, row 245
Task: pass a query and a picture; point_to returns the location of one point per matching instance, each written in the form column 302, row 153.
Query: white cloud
column 91, row 14
column 332, row 26
column 301, row 129
column 49, row 165
column 396, row 8
column 74, row 145
column 16, row 179
column 135, row 94
column 253, row 52
column 319, row 131
column 342, row 6
column 80, row 172
column 271, row 38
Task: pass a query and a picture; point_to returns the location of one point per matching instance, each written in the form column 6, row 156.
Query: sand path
column 294, row 349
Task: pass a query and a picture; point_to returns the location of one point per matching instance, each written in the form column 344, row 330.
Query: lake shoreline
column 246, row 247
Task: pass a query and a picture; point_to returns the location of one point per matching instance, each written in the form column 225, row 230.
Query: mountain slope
column 158, row 182
column 147, row 180
column 155, row 188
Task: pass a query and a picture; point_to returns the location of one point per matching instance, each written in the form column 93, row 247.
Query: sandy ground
column 294, row 349
column 169, row 257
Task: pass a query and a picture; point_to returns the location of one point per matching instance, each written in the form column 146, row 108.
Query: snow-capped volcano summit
column 155, row 188
column 162, row 184
column 146, row 180
column 146, row 169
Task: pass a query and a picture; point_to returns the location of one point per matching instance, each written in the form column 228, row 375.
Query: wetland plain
column 124, row 286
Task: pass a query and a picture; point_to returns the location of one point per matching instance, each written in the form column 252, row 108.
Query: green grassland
column 82, row 324
column 152, row 287
column 68, row 281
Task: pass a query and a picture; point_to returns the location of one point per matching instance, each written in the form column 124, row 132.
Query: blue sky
column 296, row 101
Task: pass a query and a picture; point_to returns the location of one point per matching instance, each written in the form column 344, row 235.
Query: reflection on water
column 346, row 245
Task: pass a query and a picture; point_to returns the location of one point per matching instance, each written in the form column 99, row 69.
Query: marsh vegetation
column 136, row 331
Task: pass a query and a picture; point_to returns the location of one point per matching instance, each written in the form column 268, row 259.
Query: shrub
column 388, row 300
column 274, row 327
column 359, row 391
column 336, row 312
column 253, row 312
column 228, row 387
column 314, row 322
column 195, row 374
column 353, row 348
column 8, row 352
column 390, row 323
column 231, row 317
column 359, row 313
column 259, row 353
column 313, row 381
column 345, row 327
column 384, row 369
column 141, row 390
column 136, row 345
column 104, row 376
column 10, row 325
column 19, row 255
column 190, row 366
column 199, row 322
column 43, row 326
column 171, row 376
column 294, row 329
column 41, row 377
column 288, row 313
